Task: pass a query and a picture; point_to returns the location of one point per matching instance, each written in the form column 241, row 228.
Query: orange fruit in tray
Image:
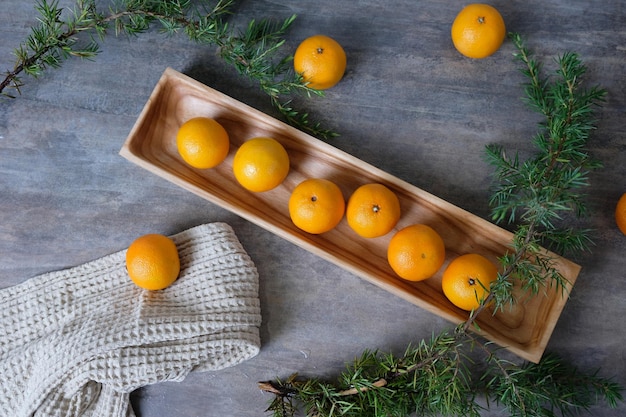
column 467, row 280
column 261, row 164
column 416, row 252
column 373, row 210
column 321, row 61
column 478, row 30
column 202, row 142
column 620, row 213
column 316, row 205
column 152, row 262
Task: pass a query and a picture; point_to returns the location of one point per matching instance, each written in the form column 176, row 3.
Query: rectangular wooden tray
column 176, row 98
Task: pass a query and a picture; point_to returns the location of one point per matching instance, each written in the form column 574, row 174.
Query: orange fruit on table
column 467, row 280
column 620, row 213
column 152, row 262
column 416, row 252
column 373, row 210
column 316, row 205
column 202, row 142
column 478, row 30
column 261, row 164
column 321, row 61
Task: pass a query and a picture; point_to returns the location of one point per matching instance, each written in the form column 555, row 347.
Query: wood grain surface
column 409, row 105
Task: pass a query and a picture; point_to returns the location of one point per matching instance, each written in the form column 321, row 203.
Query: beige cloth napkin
column 77, row 342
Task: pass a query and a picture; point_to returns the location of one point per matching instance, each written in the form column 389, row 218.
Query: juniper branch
column 546, row 188
column 252, row 52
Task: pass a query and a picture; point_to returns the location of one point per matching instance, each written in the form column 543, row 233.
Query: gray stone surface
column 409, row 104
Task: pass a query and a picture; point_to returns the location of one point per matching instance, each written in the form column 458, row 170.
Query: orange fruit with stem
column 467, row 280
column 152, row 262
column 261, row 164
column 202, row 142
column 416, row 252
column 373, row 210
column 321, row 61
column 620, row 213
column 478, row 30
column 316, row 205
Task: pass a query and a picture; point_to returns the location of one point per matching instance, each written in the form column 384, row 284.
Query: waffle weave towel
column 77, row 342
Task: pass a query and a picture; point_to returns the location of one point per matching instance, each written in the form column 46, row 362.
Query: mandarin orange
column 321, row 60
column 416, row 252
column 152, row 262
column 202, row 142
column 467, row 280
column 316, row 205
column 478, row 30
column 261, row 164
column 373, row 210
column 620, row 213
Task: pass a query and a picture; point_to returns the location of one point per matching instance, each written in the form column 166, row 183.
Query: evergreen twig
column 62, row 34
column 438, row 376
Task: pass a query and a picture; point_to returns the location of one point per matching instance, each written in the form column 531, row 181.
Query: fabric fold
column 76, row 342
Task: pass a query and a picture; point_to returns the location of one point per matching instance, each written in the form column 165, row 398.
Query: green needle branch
column 448, row 374
column 62, row 34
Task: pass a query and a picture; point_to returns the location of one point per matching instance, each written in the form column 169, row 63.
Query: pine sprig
column 61, row 34
column 434, row 379
column 440, row 376
column 549, row 388
column 544, row 192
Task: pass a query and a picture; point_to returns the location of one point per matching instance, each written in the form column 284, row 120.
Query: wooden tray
column 176, row 98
